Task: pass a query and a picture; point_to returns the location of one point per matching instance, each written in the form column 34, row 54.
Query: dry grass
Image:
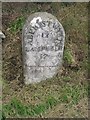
column 69, row 86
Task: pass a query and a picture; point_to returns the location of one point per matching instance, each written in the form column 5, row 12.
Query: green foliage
column 51, row 102
column 17, row 24
column 68, row 58
column 17, row 108
column 7, row 110
column 75, row 94
column 64, row 98
column 66, row 79
column 38, row 109
column 73, row 17
column 69, row 94
column 3, row 117
column 72, row 94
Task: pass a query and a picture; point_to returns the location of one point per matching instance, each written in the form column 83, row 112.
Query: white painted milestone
column 42, row 45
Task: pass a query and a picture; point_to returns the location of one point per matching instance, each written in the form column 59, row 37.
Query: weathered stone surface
column 1, row 35
column 42, row 45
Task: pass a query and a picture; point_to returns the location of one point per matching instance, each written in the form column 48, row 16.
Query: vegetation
column 64, row 95
column 17, row 25
column 70, row 95
column 68, row 58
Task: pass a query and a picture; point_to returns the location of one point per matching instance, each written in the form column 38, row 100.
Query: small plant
column 17, row 25
column 68, row 58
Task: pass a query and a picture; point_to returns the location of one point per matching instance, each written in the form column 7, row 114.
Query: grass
column 68, row 58
column 68, row 87
column 66, row 79
column 70, row 94
column 16, row 108
column 17, row 24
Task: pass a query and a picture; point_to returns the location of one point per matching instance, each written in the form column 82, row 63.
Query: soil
column 74, row 19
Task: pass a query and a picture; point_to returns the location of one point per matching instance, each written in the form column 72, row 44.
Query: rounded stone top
column 43, row 44
column 40, row 17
